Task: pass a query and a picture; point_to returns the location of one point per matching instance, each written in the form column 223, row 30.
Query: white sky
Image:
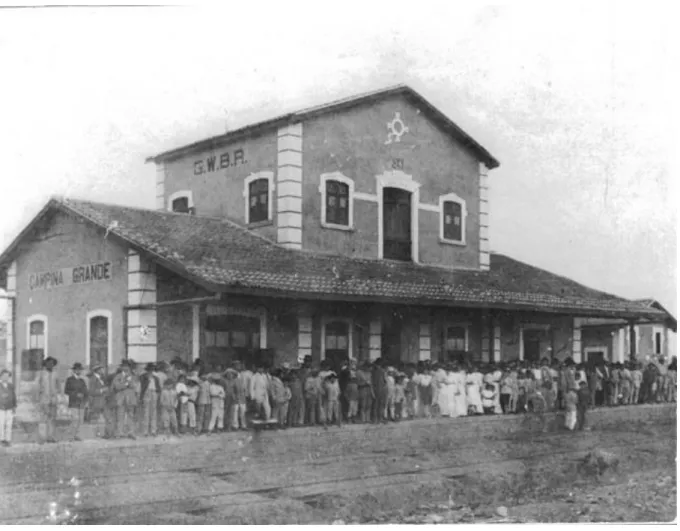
column 575, row 101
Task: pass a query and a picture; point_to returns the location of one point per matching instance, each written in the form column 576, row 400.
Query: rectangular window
column 37, row 335
column 455, row 338
column 657, row 342
column 258, row 201
column 181, row 205
column 337, row 203
column 453, row 221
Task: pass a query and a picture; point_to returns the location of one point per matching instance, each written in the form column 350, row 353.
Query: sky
column 576, row 100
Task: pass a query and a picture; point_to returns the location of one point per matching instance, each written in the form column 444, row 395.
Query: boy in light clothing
column 489, row 399
column 332, row 394
column 203, row 404
column 217, row 396
column 8, row 407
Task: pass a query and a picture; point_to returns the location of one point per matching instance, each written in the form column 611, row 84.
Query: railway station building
column 357, row 229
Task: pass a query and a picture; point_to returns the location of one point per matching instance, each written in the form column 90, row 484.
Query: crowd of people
column 175, row 398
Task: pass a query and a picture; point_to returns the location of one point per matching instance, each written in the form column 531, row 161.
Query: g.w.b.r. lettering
column 213, row 163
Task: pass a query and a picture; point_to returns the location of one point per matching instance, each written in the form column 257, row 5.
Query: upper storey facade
column 383, row 176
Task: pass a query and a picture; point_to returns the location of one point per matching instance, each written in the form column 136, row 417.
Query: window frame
column 323, row 183
column 453, row 198
column 269, row 177
column 459, row 324
column 657, row 330
column 109, row 333
column 259, row 313
column 31, row 319
column 181, row 194
column 350, row 334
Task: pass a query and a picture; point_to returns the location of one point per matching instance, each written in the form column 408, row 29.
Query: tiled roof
column 224, row 256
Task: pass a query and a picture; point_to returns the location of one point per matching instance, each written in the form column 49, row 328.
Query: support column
column 576, row 350
column 521, row 342
column 289, row 187
column 664, row 348
column 621, row 344
column 195, row 332
column 141, row 323
column 484, row 247
column 304, row 337
column 160, row 186
column 375, row 339
column 496, row 341
column 632, row 340
column 9, row 316
column 425, row 350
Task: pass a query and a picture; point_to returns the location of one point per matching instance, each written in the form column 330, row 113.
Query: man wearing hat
column 76, row 390
column 49, row 386
column 150, row 390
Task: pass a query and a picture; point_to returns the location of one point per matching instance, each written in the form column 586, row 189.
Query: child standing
column 8, row 407
column 168, row 404
column 217, row 396
column 352, row 397
column 280, row 399
column 636, row 373
column 489, row 399
column 332, row 394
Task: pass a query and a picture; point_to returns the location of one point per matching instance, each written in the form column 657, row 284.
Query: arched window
column 99, row 338
column 36, row 347
column 453, row 213
column 337, row 201
column 258, row 191
column 181, row 202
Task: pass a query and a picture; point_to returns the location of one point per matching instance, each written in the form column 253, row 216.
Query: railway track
column 229, row 496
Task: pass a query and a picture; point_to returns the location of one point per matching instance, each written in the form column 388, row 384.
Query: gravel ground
column 421, row 472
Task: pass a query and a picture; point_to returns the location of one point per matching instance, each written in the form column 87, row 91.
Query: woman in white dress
column 460, row 404
column 450, row 390
column 441, row 398
column 473, row 384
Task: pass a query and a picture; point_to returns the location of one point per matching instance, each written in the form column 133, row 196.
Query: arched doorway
column 397, row 237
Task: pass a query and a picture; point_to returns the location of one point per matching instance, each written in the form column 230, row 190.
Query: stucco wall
column 219, row 193
column 67, row 243
column 353, row 143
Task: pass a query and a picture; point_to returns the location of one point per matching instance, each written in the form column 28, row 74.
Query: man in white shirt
column 259, row 392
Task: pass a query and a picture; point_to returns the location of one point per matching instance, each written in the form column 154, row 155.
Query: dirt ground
column 419, row 473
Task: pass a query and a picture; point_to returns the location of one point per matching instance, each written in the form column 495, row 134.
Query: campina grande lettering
column 70, row 275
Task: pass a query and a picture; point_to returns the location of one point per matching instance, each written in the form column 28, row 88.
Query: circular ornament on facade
column 396, row 129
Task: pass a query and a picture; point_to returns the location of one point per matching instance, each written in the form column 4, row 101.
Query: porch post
column 621, row 344
column 375, row 339
column 576, row 341
column 664, row 348
column 632, row 340
column 195, row 332
column 521, row 342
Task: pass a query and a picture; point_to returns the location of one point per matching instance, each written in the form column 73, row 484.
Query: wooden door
column 99, row 341
column 397, row 243
column 532, row 345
